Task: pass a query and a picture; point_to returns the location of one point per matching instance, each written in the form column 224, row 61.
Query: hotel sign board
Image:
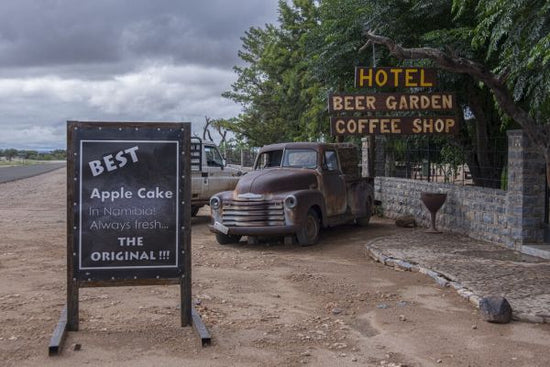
column 395, row 77
column 358, row 113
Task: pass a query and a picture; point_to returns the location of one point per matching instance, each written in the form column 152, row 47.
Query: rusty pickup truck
column 294, row 190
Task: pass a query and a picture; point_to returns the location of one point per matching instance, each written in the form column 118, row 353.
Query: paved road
column 18, row 172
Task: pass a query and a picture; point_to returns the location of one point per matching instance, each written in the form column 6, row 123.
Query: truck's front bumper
column 218, row 227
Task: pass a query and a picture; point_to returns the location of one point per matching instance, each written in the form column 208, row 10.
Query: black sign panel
column 128, row 200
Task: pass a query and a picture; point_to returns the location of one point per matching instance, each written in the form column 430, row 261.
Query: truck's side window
column 331, row 160
column 213, row 157
column 269, row 159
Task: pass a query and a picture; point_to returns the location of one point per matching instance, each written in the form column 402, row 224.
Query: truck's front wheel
column 309, row 233
column 226, row 239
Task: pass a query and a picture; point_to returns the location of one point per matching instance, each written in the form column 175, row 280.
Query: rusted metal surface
column 433, row 201
column 253, row 213
column 200, row 328
column 278, row 197
column 268, row 181
column 59, row 334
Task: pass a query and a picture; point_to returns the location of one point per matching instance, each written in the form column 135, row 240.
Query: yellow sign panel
column 390, row 102
column 393, row 125
column 412, row 77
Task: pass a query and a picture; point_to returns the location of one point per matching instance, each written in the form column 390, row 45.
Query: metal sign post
column 128, row 211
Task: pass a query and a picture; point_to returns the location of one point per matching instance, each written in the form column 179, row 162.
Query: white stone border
column 441, row 280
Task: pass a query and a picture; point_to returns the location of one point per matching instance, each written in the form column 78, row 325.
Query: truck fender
column 307, row 199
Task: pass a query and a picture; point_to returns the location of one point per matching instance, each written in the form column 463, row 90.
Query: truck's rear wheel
column 364, row 221
column 226, row 239
column 309, row 233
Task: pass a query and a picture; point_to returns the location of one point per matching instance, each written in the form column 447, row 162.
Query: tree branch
column 206, row 130
column 479, row 72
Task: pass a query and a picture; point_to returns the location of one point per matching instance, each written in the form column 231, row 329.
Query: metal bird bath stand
column 433, row 201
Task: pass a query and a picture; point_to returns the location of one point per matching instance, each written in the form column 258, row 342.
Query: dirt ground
column 265, row 305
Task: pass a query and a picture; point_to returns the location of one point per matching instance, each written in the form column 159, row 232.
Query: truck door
column 334, row 185
column 217, row 179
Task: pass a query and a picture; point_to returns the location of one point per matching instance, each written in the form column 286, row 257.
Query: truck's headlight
column 215, row 203
column 291, row 201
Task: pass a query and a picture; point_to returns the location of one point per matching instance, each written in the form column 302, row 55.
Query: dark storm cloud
column 69, row 32
column 117, row 60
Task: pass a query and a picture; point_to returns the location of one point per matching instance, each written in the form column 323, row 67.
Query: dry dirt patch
column 268, row 305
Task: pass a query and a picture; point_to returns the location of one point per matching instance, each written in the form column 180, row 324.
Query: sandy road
column 265, row 305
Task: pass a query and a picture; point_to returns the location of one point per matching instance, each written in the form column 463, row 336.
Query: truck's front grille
column 237, row 213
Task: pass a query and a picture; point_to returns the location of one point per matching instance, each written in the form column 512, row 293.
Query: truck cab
column 294, row 190
column 209, row 173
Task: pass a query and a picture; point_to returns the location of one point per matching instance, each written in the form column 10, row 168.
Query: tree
column 275, row 87
column 10, row 153
column 59, row 154
column 206, row 129
column 30, row 154
column 289, row 68
column 339, row 38
column 222, row 126
column 513, row 35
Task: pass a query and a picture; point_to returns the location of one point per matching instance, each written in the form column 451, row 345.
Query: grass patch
column 20, row 162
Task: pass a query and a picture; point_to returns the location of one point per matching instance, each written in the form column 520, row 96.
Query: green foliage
column 514, row 37
column 289, row 68
column 276, row 87
column 334, row 44
column 9, row 154
column 451, row 158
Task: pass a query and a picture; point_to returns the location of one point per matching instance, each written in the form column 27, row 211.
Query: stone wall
column 513, row 217
column 477, row 212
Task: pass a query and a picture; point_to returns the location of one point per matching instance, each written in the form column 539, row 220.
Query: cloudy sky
column 117, row 60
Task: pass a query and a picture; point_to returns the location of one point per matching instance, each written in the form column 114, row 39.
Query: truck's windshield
column 301, row 158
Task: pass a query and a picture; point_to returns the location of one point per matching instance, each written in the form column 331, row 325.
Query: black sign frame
column 126, row 134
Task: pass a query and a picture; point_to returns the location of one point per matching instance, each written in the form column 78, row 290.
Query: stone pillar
column 525, row 195
column 368, row 157
column 364, row 157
